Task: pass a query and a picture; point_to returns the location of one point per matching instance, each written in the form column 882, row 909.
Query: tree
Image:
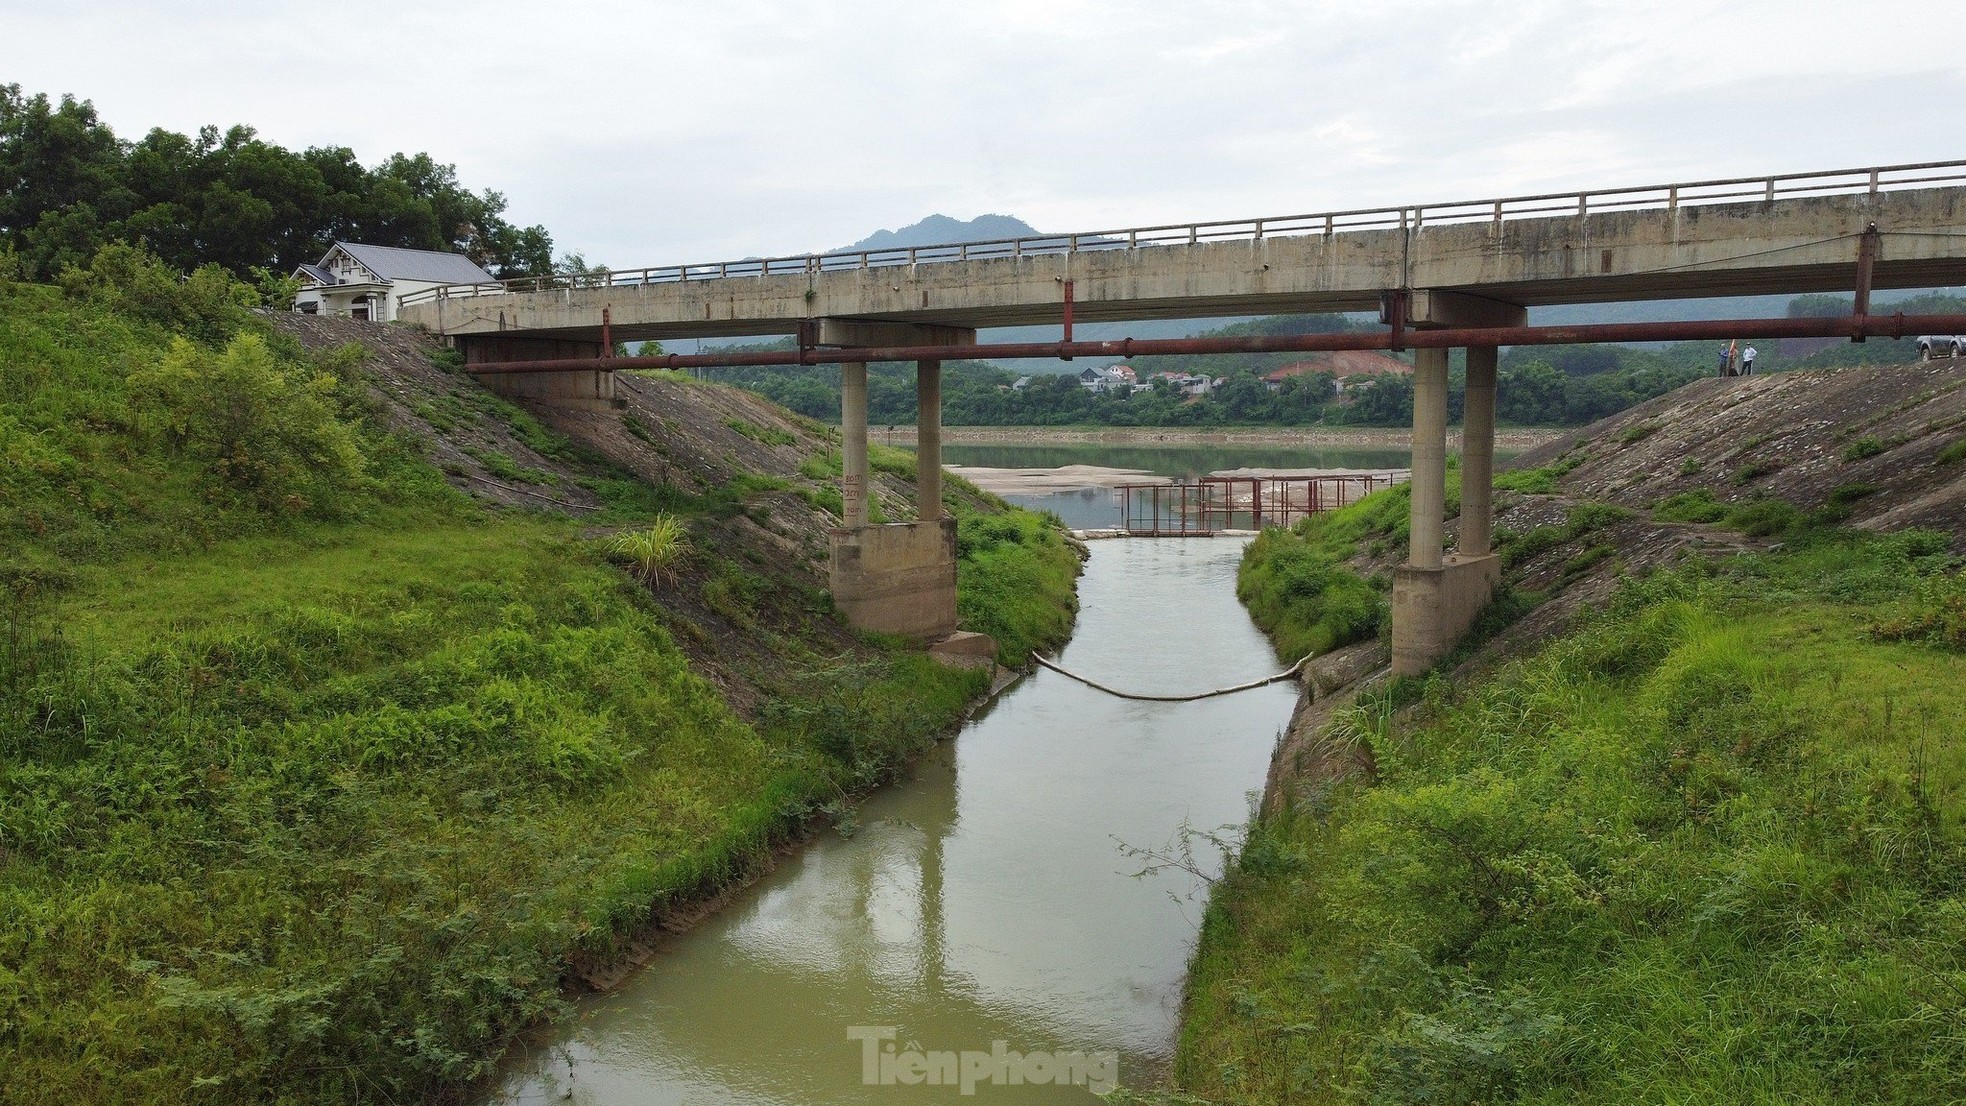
column 1531, row 393
column 68, row 186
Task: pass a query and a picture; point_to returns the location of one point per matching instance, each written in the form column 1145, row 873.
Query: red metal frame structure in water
column 1214, row 503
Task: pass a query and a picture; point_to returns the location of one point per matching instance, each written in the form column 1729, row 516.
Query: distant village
column 1352, row 371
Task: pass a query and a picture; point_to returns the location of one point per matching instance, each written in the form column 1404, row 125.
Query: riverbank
column 1679, row 838
column 320, row 774
column 1358, row 437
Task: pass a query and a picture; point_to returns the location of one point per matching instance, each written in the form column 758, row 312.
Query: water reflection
column 988, row 898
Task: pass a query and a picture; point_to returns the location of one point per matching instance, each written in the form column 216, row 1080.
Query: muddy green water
column 989, row 910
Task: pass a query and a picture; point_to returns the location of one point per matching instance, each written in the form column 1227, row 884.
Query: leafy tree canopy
column 69, row 186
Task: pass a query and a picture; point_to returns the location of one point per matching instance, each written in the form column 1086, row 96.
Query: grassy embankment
column 1301, row 590
column 1706, row 848
column 313, row 774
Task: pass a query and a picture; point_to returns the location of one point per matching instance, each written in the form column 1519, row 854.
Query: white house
column 1106, row 380
column 367, row 282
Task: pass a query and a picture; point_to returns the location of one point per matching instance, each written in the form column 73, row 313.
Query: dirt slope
column 753, row 601
column 1793, row 436
column 1797, row 437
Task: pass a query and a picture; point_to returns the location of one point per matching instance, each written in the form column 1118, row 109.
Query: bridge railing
column 1886, row 178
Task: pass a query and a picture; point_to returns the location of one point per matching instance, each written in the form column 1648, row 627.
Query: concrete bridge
column 1472, row 266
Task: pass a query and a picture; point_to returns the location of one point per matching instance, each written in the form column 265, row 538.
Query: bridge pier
column 578, row 389
column 1436, row 596
column 898, row 578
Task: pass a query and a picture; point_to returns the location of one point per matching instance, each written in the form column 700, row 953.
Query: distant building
column 1352, row 369
column 369, row 282
column 1021, row 383
column 1106, row 380
column 1186, row 383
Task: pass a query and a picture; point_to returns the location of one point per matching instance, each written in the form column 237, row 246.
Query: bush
column 258, row 430
column 209, row 305
column 1864, row 447
column 654, row 551
column 1693, row 506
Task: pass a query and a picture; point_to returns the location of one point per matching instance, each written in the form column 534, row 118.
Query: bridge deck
column 1774, row 235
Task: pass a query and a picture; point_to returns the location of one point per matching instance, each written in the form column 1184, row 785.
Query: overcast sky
column 663, row 132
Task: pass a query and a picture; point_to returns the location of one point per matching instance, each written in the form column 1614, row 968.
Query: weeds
column 652, row 552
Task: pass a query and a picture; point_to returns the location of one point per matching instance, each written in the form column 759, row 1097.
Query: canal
column 1008, row 914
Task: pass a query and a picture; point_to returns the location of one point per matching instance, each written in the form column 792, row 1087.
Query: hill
column 944, row 230
column 1679, row 823
column 347, row 710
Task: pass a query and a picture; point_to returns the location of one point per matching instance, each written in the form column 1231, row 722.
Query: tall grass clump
column 654, row 551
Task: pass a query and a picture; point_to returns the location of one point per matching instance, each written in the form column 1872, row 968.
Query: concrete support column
column 1429, row 509
column 928, row 440
column 1478, row 454
column 853, row 444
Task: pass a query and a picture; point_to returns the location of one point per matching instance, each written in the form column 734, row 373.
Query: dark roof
column 395, row 263
column 316, row 272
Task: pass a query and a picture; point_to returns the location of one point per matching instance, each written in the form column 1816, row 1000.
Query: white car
column 1933, row 346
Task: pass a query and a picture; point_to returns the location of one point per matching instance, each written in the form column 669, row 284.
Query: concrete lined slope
column 1792, row 436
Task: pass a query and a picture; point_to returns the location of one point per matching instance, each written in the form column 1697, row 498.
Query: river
column 989, row 918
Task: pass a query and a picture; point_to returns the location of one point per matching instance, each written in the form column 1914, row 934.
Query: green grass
column 765, row 434
column 1299, row 588
column 1863, row 448
column 652, row 552
column 1705, row 849
column 1016, row 580
column 314, row 776
column 1584, row 518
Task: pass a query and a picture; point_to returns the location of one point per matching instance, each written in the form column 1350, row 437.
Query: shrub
column 1954, row 453
column 209, row 304
column 654, row 551
column 255, row 428
column 1693, row 506
column 1866, row 446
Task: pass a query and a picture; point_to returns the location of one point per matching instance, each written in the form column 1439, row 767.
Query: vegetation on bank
column 1707, row 847
column 314, row 776
column 1299, row 585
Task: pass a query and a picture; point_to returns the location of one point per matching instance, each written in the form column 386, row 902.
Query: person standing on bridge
column 1747, row 361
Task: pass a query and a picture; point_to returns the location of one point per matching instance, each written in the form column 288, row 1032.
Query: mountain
column 941, row 230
